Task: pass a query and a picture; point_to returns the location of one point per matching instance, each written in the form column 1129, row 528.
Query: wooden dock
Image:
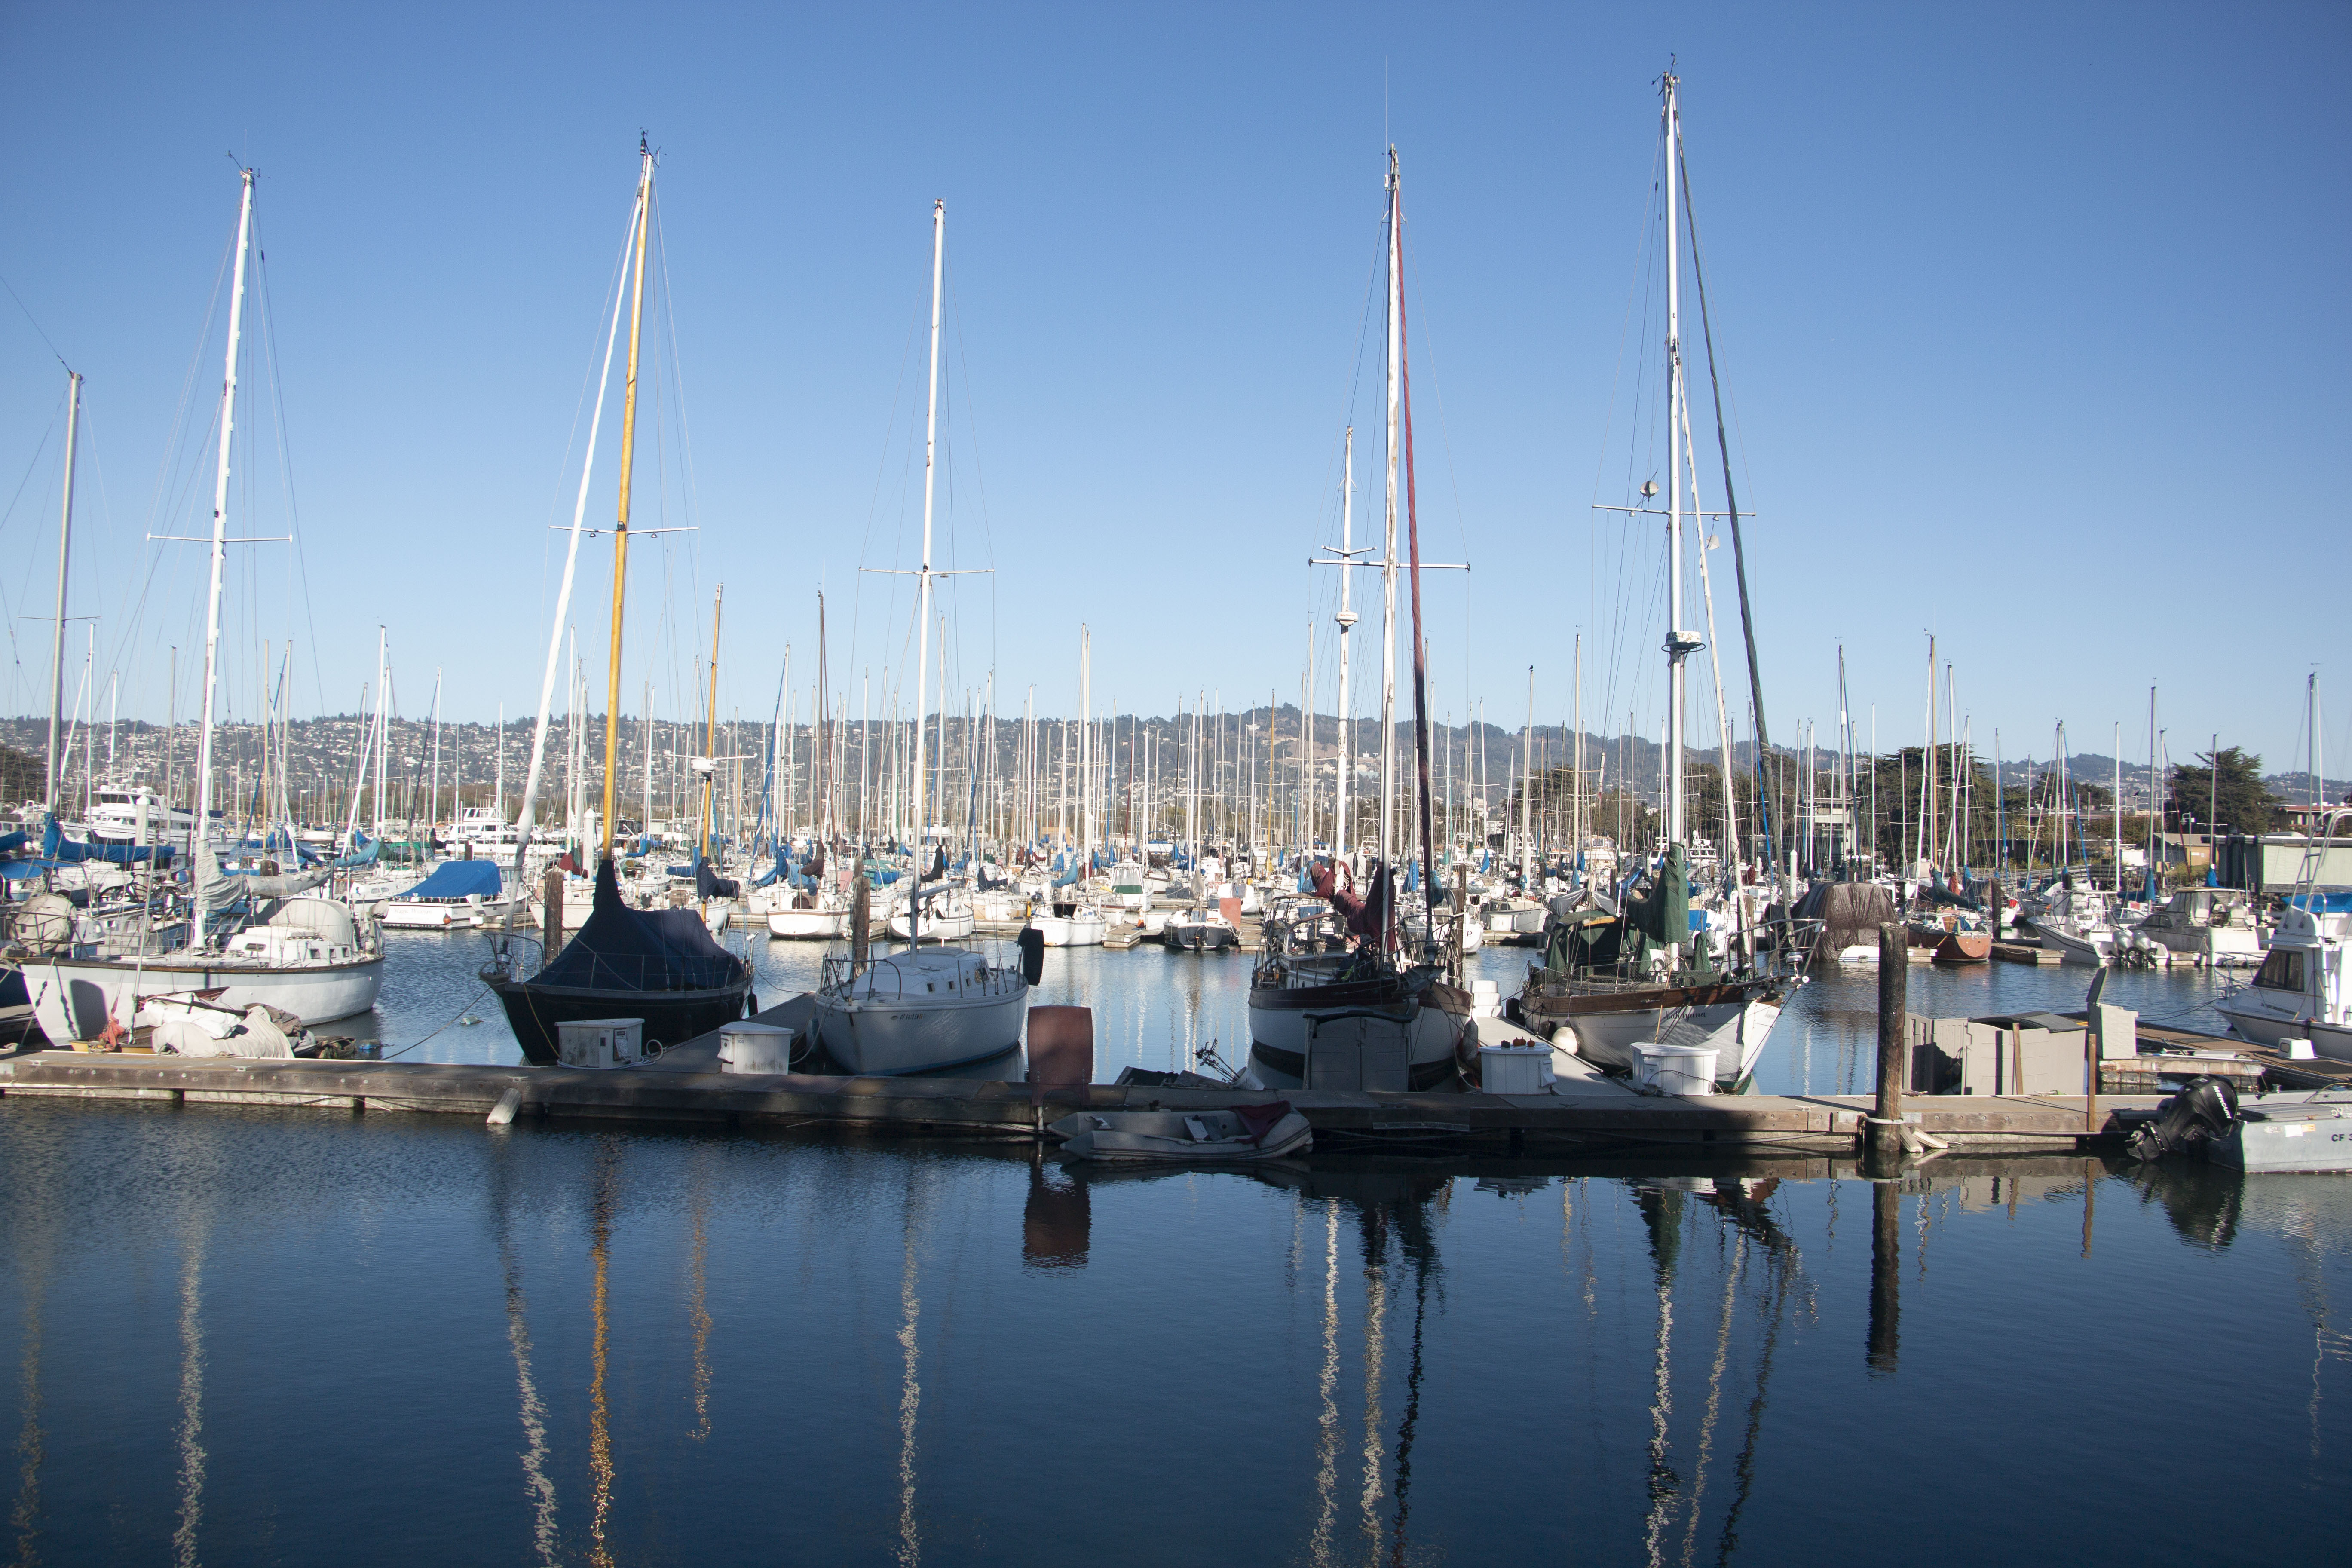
column 2277, row 1068
column 685, row 1087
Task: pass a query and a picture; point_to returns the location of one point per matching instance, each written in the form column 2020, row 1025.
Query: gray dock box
column 2024, row 1053
column 1358, row 1050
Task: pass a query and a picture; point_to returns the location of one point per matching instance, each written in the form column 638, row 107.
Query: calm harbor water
column 255, row 1336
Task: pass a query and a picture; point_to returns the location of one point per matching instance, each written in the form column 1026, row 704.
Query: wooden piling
column 861, row 920
column 1894, row 979
column 552, row 930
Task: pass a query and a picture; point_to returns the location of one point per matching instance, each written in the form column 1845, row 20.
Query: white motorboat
column 1245, row 1132
column 1199, row 931
column 119, row 816
column 2302, row 983
column 1128, row 887
column 920, row 1010
column 2211, row 925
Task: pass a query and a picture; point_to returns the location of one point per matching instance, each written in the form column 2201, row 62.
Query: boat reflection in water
column 536, row 1484
column 1389, row 1206
column 191, row 1434
column 1762, row 1276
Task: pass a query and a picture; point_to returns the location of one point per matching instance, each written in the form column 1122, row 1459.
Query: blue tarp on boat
column 454, row 880
column 56, row 846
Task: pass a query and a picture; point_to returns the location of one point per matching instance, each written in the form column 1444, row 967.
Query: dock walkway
column 685, row 1085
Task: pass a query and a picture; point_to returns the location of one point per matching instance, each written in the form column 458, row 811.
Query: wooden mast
column 628, row 457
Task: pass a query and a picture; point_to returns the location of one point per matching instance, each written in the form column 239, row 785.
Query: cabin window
column 2282, row 971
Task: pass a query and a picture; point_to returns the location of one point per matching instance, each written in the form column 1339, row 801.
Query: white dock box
column 600, row 1043
column 750, row 1047
column 1674, row 1069
column 1515, row 1069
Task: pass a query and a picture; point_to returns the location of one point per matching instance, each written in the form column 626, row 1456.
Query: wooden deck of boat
column 684, row 1086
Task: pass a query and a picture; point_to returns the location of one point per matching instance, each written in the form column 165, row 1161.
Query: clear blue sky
column 2031, row 316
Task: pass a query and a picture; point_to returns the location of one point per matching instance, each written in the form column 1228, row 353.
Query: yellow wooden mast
column 628, row 456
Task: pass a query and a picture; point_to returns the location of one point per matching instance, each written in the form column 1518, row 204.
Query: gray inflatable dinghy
column 1188, row 1137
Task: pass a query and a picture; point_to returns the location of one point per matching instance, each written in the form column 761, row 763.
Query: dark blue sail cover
column 619, row 948
column 56, row 846
column 458, row 880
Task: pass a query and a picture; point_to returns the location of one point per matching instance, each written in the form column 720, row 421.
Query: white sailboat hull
column 73, row 998
column 945, row 927
column 807, row 925
column 2093, row 947
column 1085, row 929
column 401, row 915
column 888, row 1037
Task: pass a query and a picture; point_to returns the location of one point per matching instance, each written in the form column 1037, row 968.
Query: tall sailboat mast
column 57, row 638
column 620, row 521
column 1412, row 551
column 923, row 577
column 1394, row 328
column 524, row 818
column 220, row 541
column 1679, row 645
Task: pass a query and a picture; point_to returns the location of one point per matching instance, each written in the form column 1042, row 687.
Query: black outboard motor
column 2205, row 1108
column 1033, row 954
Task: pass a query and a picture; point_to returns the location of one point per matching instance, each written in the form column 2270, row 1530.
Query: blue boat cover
column 56, row 846
column 621, row 949
column 12, row 842
column 456, row 879
column 2333, row 901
